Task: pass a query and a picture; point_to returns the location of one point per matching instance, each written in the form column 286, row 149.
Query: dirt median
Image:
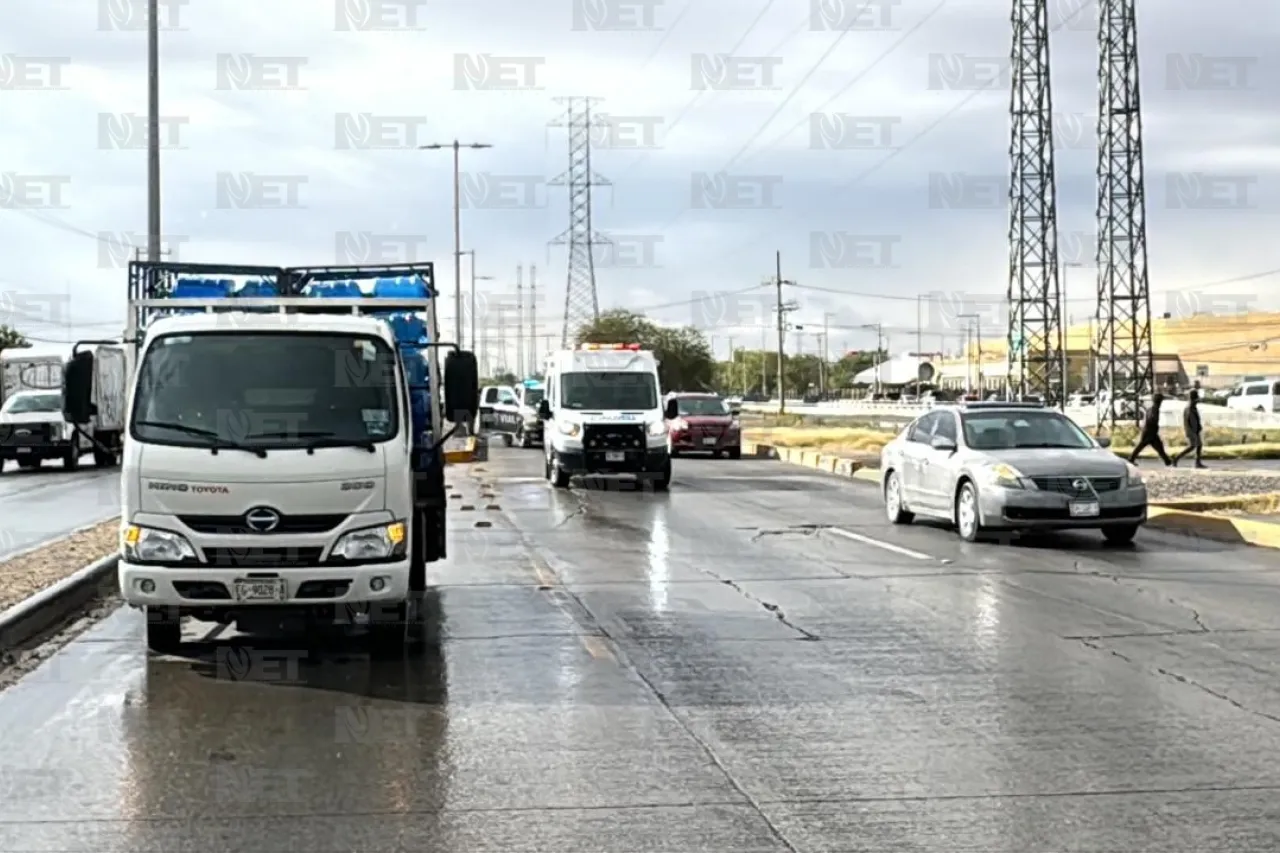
column 26, row 574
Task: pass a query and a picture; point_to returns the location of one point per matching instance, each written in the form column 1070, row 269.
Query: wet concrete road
column 48, row 503
column 622, row 671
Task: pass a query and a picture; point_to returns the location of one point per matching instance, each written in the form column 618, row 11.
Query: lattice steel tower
column 1124, row 296
column 1035, row 320
column 581, row 304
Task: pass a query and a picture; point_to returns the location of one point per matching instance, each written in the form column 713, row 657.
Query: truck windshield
column 267, row 390
column 601, row 390
column 22, row 404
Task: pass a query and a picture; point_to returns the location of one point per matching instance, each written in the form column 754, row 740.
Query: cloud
column 897, row 120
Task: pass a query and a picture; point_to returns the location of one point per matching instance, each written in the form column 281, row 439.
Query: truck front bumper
column 215, row 588
column 654, row 460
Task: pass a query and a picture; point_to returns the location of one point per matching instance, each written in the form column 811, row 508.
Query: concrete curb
column 44, row 610
column 1185, row 517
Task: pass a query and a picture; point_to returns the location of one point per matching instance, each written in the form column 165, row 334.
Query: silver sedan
column 986, row 467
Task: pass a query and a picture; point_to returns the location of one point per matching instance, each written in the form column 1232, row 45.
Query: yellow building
column 1217, row 350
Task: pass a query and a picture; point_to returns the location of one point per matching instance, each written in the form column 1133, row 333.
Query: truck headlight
column 1005, row 476
column 1135, row 474
column 372, row 543
column 148, row 545
column 657, row 428
column 569, row 429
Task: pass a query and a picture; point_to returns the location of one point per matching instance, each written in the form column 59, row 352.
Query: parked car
column 1010, row 466
column 704, row 424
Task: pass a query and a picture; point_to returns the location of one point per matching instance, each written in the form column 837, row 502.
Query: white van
column 603, row 414
column 1261, row 395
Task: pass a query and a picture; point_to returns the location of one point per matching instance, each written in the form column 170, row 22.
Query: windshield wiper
column 320, row 439
column 218, row 442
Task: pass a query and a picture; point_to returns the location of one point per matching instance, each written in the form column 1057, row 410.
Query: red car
column 705, row 425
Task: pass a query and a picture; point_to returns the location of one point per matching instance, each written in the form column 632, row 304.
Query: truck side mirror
column 544, row 409
column 461, row 386
column 672, row 410
column 77, row 388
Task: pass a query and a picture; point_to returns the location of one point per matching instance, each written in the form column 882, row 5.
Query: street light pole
column 153, row 131
column 457, row 219
column 474, row 279
column 968, row 329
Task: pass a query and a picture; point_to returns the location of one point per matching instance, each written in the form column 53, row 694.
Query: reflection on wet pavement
column 36, row 506
column 612, row 670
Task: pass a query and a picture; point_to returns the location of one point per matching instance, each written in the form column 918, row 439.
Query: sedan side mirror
column 943, row 443
column 671, row 411
column 1103, row 441
column 544, row 409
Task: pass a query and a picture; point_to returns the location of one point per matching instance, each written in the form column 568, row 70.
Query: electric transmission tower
column 1124, row 296
column 1035, row 320
column 581, row 304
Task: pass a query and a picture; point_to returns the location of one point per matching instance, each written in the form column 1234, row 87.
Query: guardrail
column 1085, row 416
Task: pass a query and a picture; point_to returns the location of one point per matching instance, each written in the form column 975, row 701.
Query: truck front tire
column 388, row 630
column 164, row 630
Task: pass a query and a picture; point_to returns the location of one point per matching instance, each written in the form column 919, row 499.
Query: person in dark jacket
column 1150, row 436
column 1195, row 431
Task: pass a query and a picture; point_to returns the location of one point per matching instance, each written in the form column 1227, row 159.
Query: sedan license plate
column 273, row 589
column 1084, row 509
column 24, row 449
column 709, row 441
column 615, row 456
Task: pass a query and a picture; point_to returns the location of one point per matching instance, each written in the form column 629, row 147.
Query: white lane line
column 867, row 540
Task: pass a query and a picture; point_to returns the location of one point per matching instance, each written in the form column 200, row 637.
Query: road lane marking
column 867, row 540
column 596, row 648
column 546, row 580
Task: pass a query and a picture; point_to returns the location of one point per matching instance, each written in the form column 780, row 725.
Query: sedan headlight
column 569, row 429
column 372, row 543
column 657, row 428
column 148, row 545
column 1005, row 476
column 1135, row 474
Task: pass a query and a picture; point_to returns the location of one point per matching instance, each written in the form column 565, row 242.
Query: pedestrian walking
column 1150, row 436
column 1194, row 429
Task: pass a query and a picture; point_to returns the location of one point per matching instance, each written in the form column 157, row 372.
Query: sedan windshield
column 22, row 404
column 1011, row 430
column 702, row 406
column 267, row 390
column 533, row 396
column 604, row 390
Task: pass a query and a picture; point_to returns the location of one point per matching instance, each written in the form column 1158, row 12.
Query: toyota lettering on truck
column 283, row 456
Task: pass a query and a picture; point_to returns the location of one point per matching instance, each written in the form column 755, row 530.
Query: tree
column 11, row 338
column 685, row 362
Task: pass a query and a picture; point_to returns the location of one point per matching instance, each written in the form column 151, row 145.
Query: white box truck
column 33, row 426
column 283, row 457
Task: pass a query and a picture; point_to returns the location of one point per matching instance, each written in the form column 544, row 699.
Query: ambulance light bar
column 596, row 347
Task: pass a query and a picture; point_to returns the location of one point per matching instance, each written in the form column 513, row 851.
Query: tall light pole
column 474, row 279
column 153, row 131
column 1066, row 333
column 976, row 318
column 457, row 218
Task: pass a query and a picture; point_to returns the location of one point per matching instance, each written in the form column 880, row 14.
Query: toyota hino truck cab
column 603, row 414
column 283, row 459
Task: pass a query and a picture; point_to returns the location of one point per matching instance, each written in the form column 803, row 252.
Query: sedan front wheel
column 967, row 520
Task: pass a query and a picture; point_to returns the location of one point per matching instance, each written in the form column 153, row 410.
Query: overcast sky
column 270, row 109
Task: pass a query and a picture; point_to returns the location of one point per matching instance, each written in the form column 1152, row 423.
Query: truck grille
column 613, row 437
column 262, row 558
column 1063, row 485
column 234, row 524
column 26, row 433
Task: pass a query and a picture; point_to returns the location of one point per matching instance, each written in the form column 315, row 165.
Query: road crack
column 776, row 610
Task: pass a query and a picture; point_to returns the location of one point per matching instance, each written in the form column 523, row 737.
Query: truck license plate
column 1084, row 509
column 24, row 449
column 615, row 456
column 273, row 589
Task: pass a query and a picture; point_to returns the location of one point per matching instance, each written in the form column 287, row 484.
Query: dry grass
column 825, row 439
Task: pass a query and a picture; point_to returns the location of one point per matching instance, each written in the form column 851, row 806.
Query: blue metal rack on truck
column 401, row 296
